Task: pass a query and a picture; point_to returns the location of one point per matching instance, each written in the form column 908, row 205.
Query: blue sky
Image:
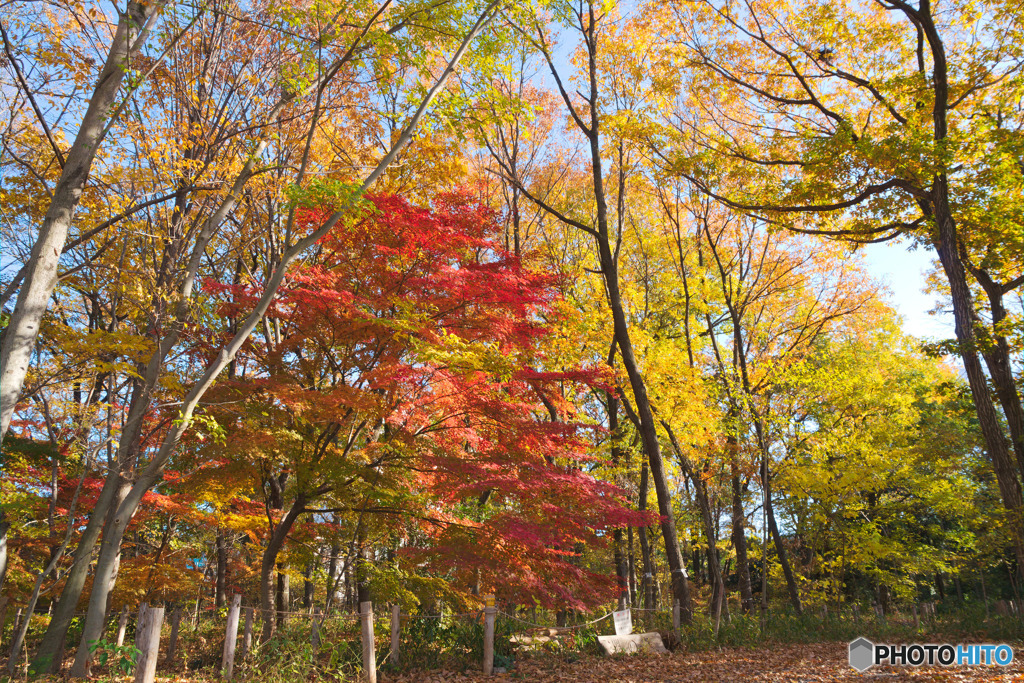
column 904, row 271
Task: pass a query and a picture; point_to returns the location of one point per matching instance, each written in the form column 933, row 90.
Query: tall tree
column 873, row 107
column 586, row 112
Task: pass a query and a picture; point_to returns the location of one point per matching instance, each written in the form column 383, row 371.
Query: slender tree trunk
column 19, row 337
column 4, row 526
column 222, row 567
column 647, row 585
column 609, row 268
column 55, row 557
column 631, row 561
column 780, row 548
column 621, row 571
column 362, row 575
column 333, row 575
column 107, row 565
column 707, row 518
column 284, row 595
column 996, row 352
column 739, row 538
column 100, row 518
column 307, row 585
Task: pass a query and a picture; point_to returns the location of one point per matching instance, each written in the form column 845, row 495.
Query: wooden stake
column 247, row 636
column 489, row 614
column 138, row 624
column 122, row 625
column 175, row 623
column 148, row 641
column 369, row 651
column 227, row 662
column 314, row 632
column 396, row 629
column 17, row 623
column 3, row 615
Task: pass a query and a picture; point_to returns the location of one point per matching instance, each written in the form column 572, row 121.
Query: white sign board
column 623, row 622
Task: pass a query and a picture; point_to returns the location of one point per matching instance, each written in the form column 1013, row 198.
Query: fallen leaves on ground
column 785, row 663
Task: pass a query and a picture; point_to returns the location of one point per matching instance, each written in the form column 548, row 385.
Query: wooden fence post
column 138, row 624
column 247, row 635
column 148, row 641
column 369, row 651
column 122, row 625
column 675, row 616
column 17, row 623
column 227, row 662
column 173, row 644
column 489, row 614
column 396, row 627
column 314, row 631
column 856, row 613
column 3, row 615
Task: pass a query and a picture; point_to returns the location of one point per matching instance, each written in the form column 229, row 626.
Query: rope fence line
column 573, row 627
column 475, row 614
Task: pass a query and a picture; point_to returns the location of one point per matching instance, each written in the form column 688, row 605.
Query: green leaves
column 325, row 194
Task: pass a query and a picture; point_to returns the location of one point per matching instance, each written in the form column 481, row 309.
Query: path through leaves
column 785, row 663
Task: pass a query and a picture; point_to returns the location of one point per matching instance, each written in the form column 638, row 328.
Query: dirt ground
column 788, row 664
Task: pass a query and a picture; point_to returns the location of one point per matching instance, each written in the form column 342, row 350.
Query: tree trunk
column 707, row 517
column 269, row 562
column 283, row 595
column 113, row 492
column 103, row 583
column 362, row 574
column 996, row 352
column 631, row 561
column 787, row 571
column 222, row 567
column 963, row 311
column 621, row 571
column 307, row 584
column 647, row 585
column 19, row 337
column 4, row 526
column 333, row 567
column 610, row 271
column 739, row 535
